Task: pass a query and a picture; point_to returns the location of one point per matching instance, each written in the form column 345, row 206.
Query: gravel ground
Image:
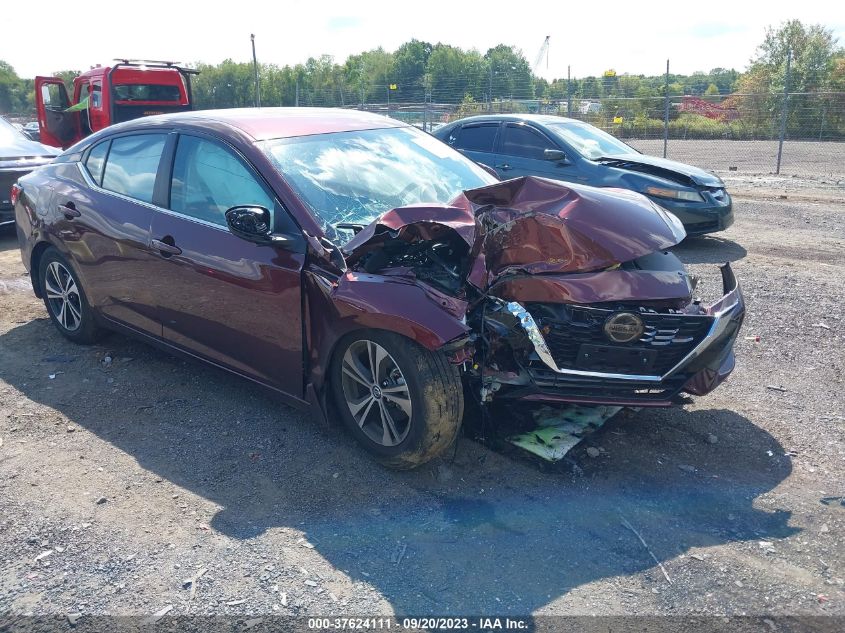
column 121, row 480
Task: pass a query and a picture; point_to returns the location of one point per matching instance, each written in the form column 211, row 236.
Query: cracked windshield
column 348, row 179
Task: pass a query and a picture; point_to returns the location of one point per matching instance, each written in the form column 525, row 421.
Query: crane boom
column 544, row 51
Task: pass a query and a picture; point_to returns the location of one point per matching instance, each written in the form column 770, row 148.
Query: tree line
column 419, row 72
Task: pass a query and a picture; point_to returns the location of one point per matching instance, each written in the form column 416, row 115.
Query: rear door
column 58, row 127
column 233, row 302
column 521, row 153
column 106, row 227
column 477, row 141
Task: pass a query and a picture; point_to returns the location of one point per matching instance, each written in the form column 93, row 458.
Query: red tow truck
column 129, row 89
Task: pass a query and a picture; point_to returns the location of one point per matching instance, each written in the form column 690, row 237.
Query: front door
column 230, row 301
column 521, row 153
column 58, row 127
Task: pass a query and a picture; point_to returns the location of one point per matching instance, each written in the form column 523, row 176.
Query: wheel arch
column 35, row 265
column 371, row 303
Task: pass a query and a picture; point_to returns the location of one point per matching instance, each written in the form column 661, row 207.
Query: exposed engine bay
column 567, row 293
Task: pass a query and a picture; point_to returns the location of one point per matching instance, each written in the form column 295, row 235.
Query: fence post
column 784, row 109
column 821, row 127
column 666, row 112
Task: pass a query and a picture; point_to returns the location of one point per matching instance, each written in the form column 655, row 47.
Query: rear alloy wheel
column 65, row 300
column 403, row 403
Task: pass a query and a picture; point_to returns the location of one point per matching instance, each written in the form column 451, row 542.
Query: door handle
column 68, row 210
column 504, row 167
column 164, row 248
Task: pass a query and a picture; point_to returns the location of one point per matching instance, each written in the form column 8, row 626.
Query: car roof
column 535, row 118
column 268, row 123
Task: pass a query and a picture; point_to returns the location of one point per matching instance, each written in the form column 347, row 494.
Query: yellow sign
column 617, row 119
column 610, row 73
column 393, row 86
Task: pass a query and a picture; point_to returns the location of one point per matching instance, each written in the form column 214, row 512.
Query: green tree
column 410, row 64
column 813, row 50
column 511, row 73
column 15, row 93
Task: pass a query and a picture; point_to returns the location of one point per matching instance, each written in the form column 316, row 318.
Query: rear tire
column 411, row 412
column 65, row 299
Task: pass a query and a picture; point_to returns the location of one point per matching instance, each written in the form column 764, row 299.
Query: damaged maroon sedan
column 361, row 268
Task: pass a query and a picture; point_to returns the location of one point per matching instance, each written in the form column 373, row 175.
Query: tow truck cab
column 129, row 89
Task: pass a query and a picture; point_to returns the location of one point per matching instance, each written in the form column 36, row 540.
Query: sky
column 630, row 37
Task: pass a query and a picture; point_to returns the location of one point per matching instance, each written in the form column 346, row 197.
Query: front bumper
column 701, row 369
column 700, row 218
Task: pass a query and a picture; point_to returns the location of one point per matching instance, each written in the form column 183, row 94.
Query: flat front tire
column 403, row 403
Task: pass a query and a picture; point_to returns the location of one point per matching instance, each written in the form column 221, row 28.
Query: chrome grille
column 671, row 335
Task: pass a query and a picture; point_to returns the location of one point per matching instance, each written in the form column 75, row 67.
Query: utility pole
column 255, row 70
column 490, row 89
column 785, row 108
column 362, row 85
column 568, row 91
column 296, row 103
column 666, row 112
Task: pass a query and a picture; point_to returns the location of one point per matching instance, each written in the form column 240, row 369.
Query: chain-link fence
column 798, row 134
column 736, row 133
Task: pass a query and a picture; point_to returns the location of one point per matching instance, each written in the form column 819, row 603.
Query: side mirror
column 251, row 223
column 554, row 155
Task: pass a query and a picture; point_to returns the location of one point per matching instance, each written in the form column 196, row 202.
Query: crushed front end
column 626, row 353
column 568, row 293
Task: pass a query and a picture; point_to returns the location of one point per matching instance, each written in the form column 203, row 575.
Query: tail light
column 17, row 190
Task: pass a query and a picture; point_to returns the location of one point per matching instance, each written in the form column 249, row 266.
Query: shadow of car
column 570, row 150
column 496, row 537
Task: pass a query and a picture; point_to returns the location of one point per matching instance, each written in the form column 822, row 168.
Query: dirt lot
column 138, row 473
column 824, row 162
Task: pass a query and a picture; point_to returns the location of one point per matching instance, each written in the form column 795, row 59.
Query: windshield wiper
column 350, row 226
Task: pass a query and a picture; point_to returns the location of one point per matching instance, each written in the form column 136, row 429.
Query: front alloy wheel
column 403, row 403
column 376, row 393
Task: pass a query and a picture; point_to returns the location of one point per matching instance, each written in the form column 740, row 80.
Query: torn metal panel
column 540, row 226
column 531, row 225
column 561, row 428
column 670, row 289
column 528, row 276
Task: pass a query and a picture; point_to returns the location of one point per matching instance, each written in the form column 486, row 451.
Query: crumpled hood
column 533, row 225
column 663, row 168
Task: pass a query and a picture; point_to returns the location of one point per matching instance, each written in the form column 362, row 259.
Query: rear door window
column 209, row 179
column 132, row 165
column 477, row 138
column 96, row 160
column 521, row 140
